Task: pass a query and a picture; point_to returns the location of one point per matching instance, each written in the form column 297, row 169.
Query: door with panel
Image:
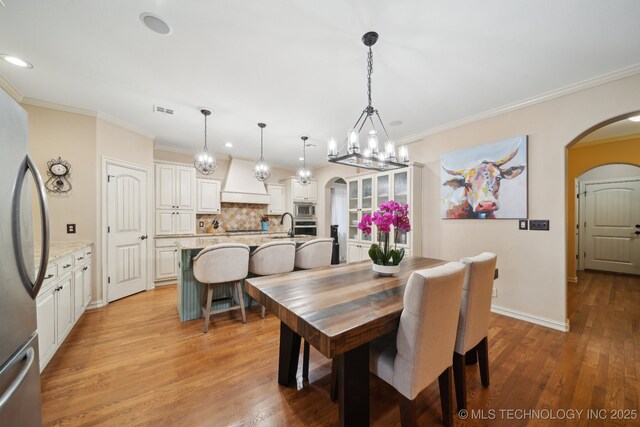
column 612, row 226
column 127, row 237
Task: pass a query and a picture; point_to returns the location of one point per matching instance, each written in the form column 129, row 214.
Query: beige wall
column 83, row 140
column 532, row 264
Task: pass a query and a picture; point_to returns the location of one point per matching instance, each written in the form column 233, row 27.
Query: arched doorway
column 613, row 142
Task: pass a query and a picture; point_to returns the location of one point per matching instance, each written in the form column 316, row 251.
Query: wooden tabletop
column 340, row 307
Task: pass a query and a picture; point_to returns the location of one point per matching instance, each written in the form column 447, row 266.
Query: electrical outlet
column 523, row 224
column 495, row 293
column 71, row 229
column 201, row 224
column 539, row 224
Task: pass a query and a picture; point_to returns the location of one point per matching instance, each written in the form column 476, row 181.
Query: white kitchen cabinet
column 304, row 193
column 175, row 187
column 174, row 222
column 166, row 261
column 367, row 191
column 62, row 300
column 208, row 195
column 276, row 199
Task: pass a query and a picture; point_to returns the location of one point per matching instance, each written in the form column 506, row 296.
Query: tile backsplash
column 238, row 216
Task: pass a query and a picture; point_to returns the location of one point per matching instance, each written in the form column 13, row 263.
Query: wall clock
column 59, row 173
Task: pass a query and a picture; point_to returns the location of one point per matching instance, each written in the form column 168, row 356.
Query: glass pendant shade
column 332, row 148
column 304, row 174
column 261, row 169
column 204, row 161
column 390, row 151
column 403, row 154
column 372, row 142
column 354, row 141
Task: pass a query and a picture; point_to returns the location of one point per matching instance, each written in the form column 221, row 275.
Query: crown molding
column 11, row 89
column 89, row 113
column 572, row 88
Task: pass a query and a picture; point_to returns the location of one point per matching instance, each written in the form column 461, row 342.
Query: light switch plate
column 495, row 293
column 523, row 224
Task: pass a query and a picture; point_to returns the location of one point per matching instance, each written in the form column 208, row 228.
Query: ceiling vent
column 163, row 110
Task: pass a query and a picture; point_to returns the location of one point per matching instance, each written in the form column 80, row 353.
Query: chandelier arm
column 383, row 128
column 372, row 124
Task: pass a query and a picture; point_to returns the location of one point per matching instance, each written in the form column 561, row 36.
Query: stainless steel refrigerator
column 19, row 285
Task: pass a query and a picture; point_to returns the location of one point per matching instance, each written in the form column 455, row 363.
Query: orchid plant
column 389, row 214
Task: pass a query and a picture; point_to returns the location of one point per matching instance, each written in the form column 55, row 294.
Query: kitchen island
column 190, row 290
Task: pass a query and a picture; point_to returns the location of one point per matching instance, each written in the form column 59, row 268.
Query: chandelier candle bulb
column 373, row 143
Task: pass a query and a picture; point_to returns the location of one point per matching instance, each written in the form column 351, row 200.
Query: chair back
column 427, row 330
column 314, row 253
column 273, row 258
column 473, row 323
column 225, row 262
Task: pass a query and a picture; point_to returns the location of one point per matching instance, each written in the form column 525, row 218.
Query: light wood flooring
column 134, row 363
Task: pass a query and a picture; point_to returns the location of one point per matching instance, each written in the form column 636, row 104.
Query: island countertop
column 249, row 240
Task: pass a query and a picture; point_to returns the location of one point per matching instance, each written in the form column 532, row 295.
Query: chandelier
column 261, row 169
column 204, row 161
column 372, row 157
column 304, row 174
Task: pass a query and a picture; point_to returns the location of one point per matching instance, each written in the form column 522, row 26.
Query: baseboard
column 95, row 304
column 573, row 279
column 165, row 283
column 531, row 318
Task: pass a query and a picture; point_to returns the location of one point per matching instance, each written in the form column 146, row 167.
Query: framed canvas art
column 485, row 182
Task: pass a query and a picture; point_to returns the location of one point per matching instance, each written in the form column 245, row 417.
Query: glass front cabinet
column 368, row 191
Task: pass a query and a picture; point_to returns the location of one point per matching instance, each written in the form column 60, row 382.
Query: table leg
column 353, row 385
column 289, row 353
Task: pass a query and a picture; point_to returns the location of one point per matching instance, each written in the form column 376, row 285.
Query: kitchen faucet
column 290, row 232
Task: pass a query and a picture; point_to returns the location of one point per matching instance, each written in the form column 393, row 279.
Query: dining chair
column 420, row 351
column 272, row 258
column 315, row 253
column 473, row 323
column 221, row 264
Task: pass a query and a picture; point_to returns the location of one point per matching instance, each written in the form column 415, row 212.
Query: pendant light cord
column 261, row 144
column 205, row 132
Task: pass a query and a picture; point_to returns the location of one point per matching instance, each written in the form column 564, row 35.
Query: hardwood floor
column 135, row 363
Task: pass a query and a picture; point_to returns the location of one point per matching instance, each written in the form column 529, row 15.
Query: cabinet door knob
column 84, row 269
column 144, row 237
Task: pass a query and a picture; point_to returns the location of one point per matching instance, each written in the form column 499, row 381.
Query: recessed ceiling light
column 19, row 62
column 155, row 23
column 301, row 158
column 396, row 123
column 228, row 144
column 635, row 119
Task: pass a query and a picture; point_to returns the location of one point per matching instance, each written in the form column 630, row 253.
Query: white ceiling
column 300, row 66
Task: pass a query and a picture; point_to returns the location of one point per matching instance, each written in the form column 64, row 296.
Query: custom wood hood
column 240, row 186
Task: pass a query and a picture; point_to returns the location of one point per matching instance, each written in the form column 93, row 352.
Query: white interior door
column 612, row 226
column 127, row 236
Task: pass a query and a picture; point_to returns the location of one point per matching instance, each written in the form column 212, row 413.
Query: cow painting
column 474, row 191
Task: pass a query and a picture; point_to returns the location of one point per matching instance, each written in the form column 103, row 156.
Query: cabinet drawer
column 79, row 257
column 50, row 276
column 65, row 265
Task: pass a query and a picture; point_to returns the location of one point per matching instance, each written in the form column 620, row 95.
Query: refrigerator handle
column 29, row 355
column 28, row 165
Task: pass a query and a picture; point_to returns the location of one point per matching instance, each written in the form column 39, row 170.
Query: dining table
column 339, row 310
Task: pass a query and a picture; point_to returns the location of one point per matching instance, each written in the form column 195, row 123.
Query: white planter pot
column 386, row 270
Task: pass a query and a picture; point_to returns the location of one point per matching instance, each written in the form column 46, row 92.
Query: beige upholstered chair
column 272, row 258
column 473, row 324
column 420, row 351
column 312, row 254
column 218, row 264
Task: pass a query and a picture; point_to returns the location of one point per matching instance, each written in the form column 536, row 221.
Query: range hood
column 240, row 186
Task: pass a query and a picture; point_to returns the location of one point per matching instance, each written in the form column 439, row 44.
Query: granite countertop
column 222, row 234
column 58, row 250
column 250, row 240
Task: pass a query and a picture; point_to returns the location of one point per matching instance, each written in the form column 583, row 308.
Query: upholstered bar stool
column 473, row 323
column 220, row 264
column 312, row 254
column 272, row 258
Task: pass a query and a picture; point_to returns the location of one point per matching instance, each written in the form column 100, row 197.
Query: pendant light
column 304, row 174
column 261, row 169
column 204, row 161
column 372, row 156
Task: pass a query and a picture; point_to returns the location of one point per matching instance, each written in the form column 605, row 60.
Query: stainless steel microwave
column 304, row 210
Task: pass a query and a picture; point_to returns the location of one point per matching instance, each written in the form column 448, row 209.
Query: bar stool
column 219, row 264
column 312, row 254
column 272, row 258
